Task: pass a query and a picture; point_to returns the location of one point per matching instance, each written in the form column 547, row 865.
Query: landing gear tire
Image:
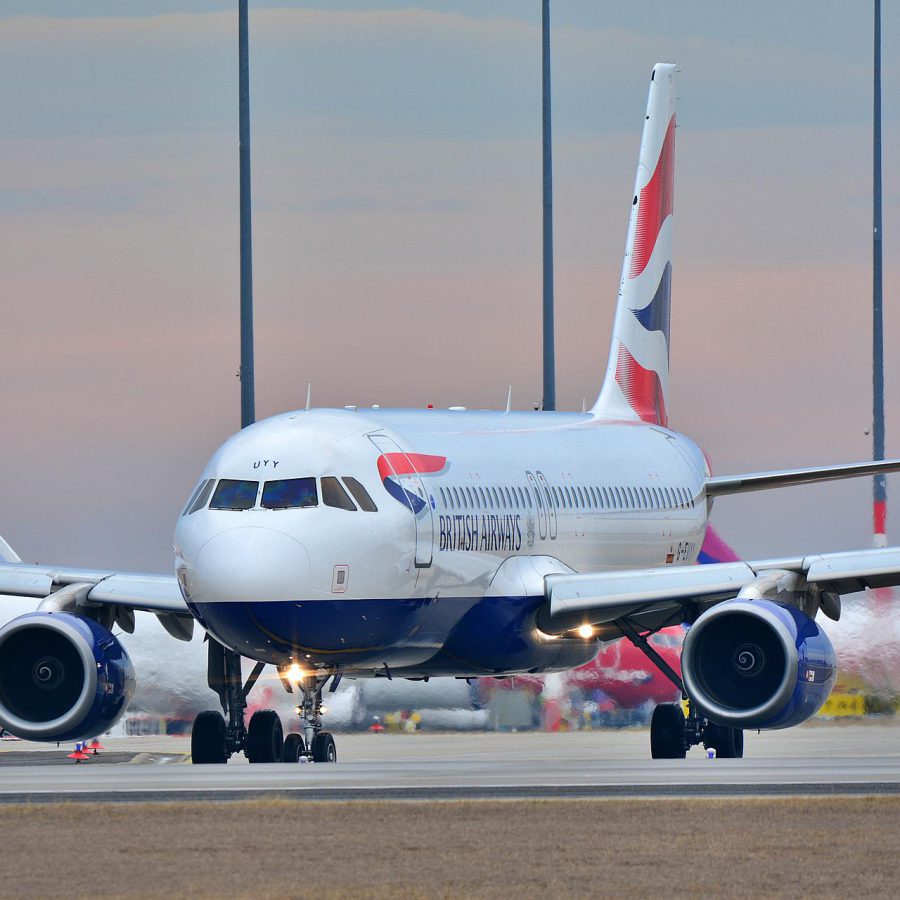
column 294, row 748
column 667, row 727
column 727, row 742
column 208, row 738
column 265, row 737
column 323, row 748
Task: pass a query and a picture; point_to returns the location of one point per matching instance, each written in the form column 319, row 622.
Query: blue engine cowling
column 757, row 664
column 62, row 677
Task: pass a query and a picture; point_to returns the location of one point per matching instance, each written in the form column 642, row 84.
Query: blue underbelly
column 463, row 636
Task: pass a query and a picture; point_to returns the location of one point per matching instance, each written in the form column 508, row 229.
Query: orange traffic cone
column 96, row 746
column 79, row 753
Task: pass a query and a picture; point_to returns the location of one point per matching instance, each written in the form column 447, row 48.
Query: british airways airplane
column 361, row 543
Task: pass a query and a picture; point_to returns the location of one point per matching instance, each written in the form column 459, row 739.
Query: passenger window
column 497, row 500
column 232, row 494
column 362, row 497
column 201, row 498
column 456, row 503
column 443, row 497
column 480, row 492
column 557, row 497
column 510, row 501
column 334, row 495
column 580, row 497
column 291, row 493
column 471, row 496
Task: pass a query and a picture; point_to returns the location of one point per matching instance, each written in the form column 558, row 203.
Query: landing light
column 585, row 631
column 294, row 673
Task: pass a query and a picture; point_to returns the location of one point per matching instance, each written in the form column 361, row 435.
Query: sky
column 397, row 234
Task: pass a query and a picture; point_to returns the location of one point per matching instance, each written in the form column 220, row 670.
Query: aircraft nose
column 250, row 563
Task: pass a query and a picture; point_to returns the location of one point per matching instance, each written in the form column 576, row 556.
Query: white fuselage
column 473, row 510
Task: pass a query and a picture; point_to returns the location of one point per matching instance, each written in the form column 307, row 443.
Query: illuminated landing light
column 295, row 673
column 585, row 631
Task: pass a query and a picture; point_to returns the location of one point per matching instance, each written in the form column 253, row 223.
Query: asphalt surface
column 813, row 760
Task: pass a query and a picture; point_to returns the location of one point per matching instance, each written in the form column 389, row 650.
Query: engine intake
column 757, row 664
column 62, row 677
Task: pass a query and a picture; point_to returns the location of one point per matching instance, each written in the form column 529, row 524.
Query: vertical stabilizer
column 637, row 374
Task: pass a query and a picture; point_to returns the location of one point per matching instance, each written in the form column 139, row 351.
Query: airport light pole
column 549, row 401
column 879, row 487
column 248, row 400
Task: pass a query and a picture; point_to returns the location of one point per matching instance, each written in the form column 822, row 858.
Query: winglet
column 7, row 554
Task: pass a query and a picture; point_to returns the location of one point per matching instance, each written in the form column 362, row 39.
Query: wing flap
column 24, row 583
column 151, row 592
column 604, row 597
column 155, row 593
column 651, row 597
column 847, row 573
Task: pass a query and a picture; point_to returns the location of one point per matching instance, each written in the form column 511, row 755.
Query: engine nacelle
column 757, row 664
column 62, row 677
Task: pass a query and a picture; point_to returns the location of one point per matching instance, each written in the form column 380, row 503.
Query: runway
column 813, row 760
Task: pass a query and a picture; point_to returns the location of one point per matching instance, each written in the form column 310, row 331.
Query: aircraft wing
column 68, row 588
column 653, row 598
column 761, row 481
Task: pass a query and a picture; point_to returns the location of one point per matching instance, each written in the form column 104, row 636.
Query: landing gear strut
column 216, row 737
column 320, row 746
column 672, row 730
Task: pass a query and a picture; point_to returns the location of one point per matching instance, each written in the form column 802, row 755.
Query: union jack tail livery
column 637, row 375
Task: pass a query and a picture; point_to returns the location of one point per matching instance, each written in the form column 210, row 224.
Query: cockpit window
column 334, row 495
column 290, row 493
column 200, row 496
column 231, row 494
column 361, row 495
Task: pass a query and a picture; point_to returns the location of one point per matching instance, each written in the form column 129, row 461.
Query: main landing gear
column 215, row 737
column 673, row 731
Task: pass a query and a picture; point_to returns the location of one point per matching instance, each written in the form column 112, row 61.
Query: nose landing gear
column 320, row 746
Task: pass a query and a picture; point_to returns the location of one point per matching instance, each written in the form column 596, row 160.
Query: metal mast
column 549, row 356
column 248, row 402
column 879, row 488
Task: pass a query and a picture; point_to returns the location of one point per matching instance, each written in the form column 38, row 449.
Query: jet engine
column 757, row 664
column 62, row 677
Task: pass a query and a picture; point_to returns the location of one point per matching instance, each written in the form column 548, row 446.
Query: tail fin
column 637, row 374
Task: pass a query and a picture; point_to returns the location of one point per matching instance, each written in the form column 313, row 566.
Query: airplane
column 361, row 543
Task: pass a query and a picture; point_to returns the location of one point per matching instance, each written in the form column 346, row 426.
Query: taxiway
column 813, row 760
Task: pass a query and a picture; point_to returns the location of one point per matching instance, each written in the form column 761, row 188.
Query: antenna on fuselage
column 509, row 399
column 248, row 396
column 308, row 395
